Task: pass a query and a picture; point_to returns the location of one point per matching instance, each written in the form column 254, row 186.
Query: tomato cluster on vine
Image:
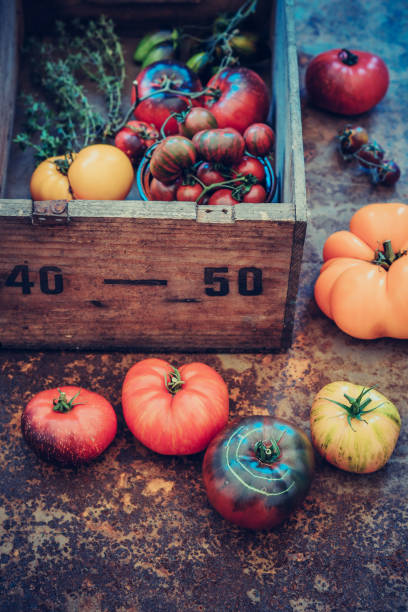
column 354, row 143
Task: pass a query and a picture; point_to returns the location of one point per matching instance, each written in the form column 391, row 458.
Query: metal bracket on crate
column 50, row 212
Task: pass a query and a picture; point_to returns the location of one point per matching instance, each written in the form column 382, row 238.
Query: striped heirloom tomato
column 172, row 155
column 353, row 427
column 259, row 139
column 363, row 284
column 220, row 145
column 257, row 470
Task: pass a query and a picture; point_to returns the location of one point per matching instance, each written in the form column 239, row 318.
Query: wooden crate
column 155, row 276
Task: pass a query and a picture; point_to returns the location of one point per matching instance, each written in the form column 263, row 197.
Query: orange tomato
column 363, row 284
column 101, row 172
column 48, row 183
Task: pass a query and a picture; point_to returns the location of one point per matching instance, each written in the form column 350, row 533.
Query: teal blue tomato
column 257, row 470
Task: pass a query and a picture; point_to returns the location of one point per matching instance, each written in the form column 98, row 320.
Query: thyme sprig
column 67, row 119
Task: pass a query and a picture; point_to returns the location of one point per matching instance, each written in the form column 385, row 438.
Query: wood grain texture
column 8, row 71
column 140, row 283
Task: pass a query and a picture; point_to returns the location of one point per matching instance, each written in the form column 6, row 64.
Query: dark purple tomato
column 160, row 192
column 388, row 173
column 135, row 137
column 258, row 470
column 157, row 107
column 352, row 138
column 210, row 173
column 370, row 154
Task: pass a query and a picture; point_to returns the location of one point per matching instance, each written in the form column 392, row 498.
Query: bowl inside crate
column 144, row 177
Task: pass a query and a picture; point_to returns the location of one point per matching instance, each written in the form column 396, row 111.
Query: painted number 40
column 51, row 281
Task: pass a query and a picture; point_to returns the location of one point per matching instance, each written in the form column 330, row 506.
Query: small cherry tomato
column 388, row 174
column 210, row 173
column 188, row 193
column 195, row 120
column 250, row 166
column 352, row 139
column 222, row 197
column 370, row 154
column 161, row 192
column 68, row 425
column 135, row 137
column 259, row 139
column 256, row 194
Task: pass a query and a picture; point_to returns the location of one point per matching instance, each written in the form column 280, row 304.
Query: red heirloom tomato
column 346, row 82
column 241, row 98
column 173, row 155
column 257, row 470
column 174, row 412
column 224, row 145
column 157, row 108
column 161, row 192
column 363, row 284
column 259, row 139
column 69, row 425
column 354, row 427
column 195, row 120
column 135, row 138
column 188, row 193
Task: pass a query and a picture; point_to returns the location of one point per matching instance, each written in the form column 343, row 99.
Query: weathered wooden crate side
column 155, row 276
column 177, row 282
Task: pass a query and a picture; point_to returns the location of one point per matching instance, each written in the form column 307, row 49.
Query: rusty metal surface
column 133, row 531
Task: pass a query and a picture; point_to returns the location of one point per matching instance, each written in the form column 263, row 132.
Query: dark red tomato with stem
column 250, row 165
column 370, row 155
column 159, row 89
column 240, row 98
column 258, row 470
column 220, row 145
column 135, row 137
column 171, row 157
column 174, row 411
column 259, row 139
column 69, row 425
column 222, row 197
column 346, row 82
column 209, row 173
column 194, row 120
column 189, row 192
column 256, row 194
column 160, row 192
column 388, row 173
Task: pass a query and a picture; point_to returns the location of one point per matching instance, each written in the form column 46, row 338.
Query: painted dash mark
column 147, row 282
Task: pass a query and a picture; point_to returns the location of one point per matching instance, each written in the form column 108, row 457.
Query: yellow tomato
column 101, row 172
column 48, row 183
column 354, row 427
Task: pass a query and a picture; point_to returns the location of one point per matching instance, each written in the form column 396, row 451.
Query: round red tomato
column 163, row 193
column 241, row 98
column 174, row 411
column 188, row 193
column 210, row 173
column 256, row 194
column 259, row 139
column 250, row 166
column 69, row 425
column 257, row 471
column 156, row 108
column 346, row 82
column 135, row 138
column 195, row 120
column 222, row 197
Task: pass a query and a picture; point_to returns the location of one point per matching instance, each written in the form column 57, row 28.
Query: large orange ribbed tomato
column 363, row 284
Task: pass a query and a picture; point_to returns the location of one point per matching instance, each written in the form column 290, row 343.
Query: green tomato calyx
column 387, row 257
column 267, row 451
column 356, row 406
column 173, row 382
column 62, row 404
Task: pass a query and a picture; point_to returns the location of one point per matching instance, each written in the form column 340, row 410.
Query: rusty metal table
column 133, row 531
